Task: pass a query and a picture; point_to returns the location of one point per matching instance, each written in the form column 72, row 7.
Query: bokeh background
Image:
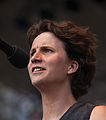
column 19, row 100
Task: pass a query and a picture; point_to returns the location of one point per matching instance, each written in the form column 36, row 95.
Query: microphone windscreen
column 19, row 58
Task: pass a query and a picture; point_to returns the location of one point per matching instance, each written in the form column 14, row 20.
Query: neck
column 56, row 101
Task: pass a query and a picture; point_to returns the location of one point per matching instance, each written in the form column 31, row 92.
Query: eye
column 47, row 50
column 32, row 52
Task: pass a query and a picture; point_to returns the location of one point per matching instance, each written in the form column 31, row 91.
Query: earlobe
column 73, row 67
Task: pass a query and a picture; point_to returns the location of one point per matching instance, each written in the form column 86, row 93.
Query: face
column 48, row 60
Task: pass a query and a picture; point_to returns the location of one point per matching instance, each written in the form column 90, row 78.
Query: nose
column 36, row 58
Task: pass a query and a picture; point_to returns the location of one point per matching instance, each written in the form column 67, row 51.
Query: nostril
column 35, row 60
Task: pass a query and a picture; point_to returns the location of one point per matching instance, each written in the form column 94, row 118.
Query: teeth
column 37, row 69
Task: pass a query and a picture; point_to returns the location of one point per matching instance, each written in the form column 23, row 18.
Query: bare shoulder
column 98, row 113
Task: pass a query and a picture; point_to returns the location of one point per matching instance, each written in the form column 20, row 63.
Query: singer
column 61, row 66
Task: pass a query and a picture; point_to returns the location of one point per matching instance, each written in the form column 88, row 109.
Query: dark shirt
column 78, row 111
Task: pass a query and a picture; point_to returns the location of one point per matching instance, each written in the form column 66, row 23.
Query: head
column 79, row 45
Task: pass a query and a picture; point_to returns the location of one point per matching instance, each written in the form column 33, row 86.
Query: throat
column 55, row 108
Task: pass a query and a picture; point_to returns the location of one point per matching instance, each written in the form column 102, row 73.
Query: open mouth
column 38, row 69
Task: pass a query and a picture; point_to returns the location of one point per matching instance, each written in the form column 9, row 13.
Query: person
column 62, row 65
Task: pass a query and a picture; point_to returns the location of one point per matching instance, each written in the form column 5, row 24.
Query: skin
column 48, row 52
column 98, row 113
column 54, row 81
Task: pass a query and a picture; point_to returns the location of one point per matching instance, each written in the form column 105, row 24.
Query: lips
column 38, row 69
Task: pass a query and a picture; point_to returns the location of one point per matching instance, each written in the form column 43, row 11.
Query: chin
column 40, row 85
column 38, row 81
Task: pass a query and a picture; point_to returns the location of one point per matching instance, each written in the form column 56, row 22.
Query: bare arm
column 98, row 113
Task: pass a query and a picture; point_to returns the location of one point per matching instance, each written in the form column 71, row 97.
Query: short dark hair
column 80, row 45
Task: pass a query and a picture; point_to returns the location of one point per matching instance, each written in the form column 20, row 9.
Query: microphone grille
column 19, row 58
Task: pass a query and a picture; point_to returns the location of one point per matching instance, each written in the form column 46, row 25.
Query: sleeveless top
column 78, row 111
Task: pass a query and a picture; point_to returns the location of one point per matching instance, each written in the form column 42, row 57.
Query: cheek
column 57, row 68
column 29, row 66
column 57, row 62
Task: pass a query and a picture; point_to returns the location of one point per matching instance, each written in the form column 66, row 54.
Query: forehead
column 47, row 38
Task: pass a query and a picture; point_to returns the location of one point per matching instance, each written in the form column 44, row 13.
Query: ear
column 73, row 67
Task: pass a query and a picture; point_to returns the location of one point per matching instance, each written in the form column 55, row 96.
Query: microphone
column 15, row 55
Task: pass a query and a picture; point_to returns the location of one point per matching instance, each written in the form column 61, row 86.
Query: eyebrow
column 45, row 46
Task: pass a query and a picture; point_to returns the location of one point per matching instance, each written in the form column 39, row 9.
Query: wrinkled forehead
column 47, row 39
